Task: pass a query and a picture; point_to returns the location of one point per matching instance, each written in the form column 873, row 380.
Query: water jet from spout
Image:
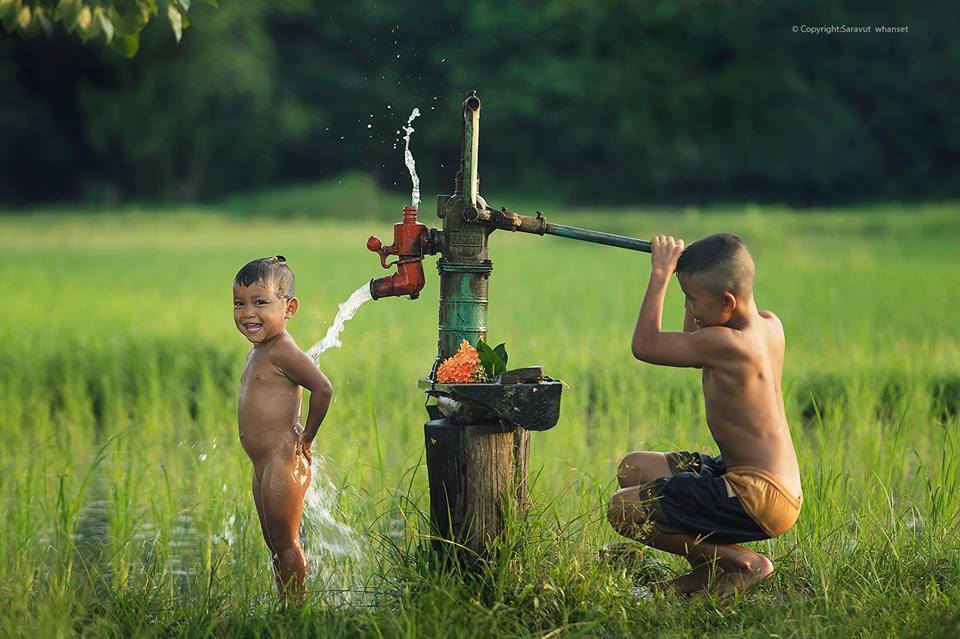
column 347, row 310
column 408, row 158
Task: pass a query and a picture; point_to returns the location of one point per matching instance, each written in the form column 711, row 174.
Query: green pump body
column 464, row 265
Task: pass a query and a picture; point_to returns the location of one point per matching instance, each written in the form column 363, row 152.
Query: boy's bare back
column 743, row 399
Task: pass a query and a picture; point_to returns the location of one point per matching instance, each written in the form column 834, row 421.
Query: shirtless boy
column 268, row 412
column 692, row 504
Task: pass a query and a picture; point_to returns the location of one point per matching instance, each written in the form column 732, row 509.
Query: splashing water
column 337, row 566
column 334, row 553
column 347, row 310
column 408, row 158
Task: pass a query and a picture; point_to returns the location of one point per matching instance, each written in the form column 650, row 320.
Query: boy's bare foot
column 693, row 581
column 741, row 578
column 686, row 584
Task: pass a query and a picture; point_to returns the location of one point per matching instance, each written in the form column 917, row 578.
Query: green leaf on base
column 493, row 360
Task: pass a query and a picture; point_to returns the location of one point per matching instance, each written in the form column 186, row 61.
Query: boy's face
column 259, row 313
column 705, row 306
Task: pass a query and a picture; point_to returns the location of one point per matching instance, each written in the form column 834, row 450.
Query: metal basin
column 534, row 406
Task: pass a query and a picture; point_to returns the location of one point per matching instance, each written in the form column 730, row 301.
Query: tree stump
column 478, row 478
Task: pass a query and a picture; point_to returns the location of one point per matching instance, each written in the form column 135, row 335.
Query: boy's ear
column 729, row 302
column 293, row 305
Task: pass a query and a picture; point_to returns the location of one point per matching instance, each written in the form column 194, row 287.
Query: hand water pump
column 478, row 435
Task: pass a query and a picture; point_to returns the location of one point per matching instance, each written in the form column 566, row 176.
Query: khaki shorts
column 695, row 500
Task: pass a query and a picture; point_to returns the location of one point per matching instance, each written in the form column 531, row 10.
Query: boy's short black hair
column 272, row 271
column 722, row 260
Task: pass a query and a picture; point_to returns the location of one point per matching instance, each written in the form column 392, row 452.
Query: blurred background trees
column 118, row 21
column 603, row 102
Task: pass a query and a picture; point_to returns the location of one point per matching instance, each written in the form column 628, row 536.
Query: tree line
column 602, row 102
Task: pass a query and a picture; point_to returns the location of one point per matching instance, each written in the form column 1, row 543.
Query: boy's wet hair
column 722, row 261
column 272, row 271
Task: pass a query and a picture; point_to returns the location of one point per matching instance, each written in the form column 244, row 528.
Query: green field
column 126, row 501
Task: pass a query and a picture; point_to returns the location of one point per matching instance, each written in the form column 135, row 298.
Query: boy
column 268, row 412
column 693, row 504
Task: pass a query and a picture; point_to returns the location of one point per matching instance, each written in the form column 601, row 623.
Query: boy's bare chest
column 261, row 375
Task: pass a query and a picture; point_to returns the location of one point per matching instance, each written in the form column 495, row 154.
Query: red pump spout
column 410, row 241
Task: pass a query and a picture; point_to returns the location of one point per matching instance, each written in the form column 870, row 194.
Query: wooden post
column 478, row 477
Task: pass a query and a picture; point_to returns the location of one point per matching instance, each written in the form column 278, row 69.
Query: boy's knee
column 282, row 538
column 642, row 466
column 629, row 470
column 616, row 515
column 630, row 517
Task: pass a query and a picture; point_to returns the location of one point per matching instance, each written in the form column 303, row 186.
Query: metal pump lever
column 538, row 225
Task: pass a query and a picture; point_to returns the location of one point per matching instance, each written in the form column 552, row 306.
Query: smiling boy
column 693, row 504
column 268, row 411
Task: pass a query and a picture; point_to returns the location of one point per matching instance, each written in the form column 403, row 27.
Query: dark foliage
column 674, row 101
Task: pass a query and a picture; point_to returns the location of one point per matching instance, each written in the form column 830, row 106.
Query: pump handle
column 374, row 244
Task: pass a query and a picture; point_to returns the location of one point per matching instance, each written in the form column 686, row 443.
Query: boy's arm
column 650, row 344
column 301, row 370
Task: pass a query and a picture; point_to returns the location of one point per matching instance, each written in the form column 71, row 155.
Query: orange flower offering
column 462, row 368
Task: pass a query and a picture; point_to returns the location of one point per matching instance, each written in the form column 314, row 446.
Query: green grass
column 126, row 505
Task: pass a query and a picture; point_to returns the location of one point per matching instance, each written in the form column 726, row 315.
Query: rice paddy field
column 126, row 505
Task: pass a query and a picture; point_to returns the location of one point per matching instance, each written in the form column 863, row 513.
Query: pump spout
column 408, row 280
column 411, row 239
